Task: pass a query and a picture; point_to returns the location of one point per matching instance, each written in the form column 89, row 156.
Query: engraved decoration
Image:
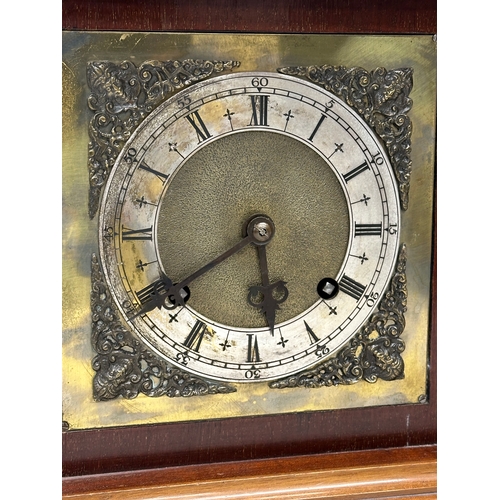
column 381, row 98
column 374, row 352
column 122, row 95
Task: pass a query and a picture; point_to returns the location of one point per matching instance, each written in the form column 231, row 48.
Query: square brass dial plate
column 262, row 53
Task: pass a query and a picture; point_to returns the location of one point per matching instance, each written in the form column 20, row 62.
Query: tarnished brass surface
column 263, row 53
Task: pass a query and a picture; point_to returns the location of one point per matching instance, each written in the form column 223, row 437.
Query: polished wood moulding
column 389, row 473
column 262, row 16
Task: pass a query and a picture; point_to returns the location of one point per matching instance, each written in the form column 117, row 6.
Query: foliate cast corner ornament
column 122, row 95
column 374, row 352
column 124, row 366
column 381, row 97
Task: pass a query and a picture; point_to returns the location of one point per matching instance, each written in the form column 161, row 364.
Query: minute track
column 287, row 115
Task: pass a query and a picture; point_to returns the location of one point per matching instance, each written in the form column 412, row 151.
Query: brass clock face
column 249, row 227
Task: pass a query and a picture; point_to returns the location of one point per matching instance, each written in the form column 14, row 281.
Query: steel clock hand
column 174, row 293
column 259, row 231
column 165, row 294
column 157, row 297
column 268, row 296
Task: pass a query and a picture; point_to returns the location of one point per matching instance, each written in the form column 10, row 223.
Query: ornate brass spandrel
column 374, row 352
column 122, row 95
column 381, row 97
column 124, row 366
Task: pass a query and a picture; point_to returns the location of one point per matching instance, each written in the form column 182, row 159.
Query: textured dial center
column 223, row 185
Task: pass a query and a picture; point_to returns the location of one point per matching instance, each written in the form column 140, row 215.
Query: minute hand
column 174, row 291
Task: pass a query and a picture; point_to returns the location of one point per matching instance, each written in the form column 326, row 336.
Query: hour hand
column 269, row 296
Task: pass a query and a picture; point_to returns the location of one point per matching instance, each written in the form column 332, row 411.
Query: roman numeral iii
column 367, row 229
column 351, row 287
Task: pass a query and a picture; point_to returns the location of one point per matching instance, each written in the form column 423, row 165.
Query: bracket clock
column 247, row 227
